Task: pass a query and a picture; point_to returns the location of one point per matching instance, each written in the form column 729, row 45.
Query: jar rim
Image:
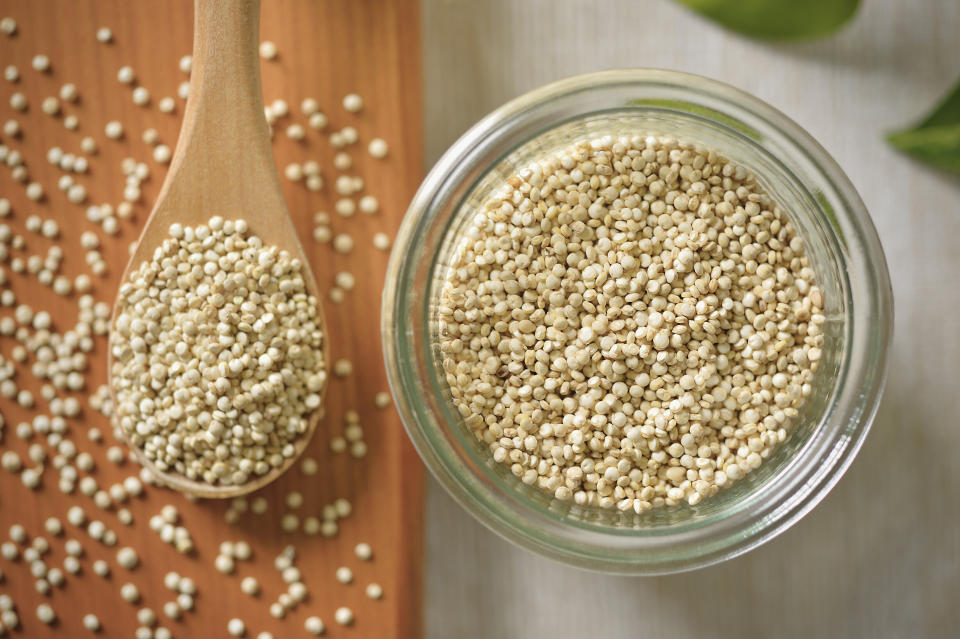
column 746, row 524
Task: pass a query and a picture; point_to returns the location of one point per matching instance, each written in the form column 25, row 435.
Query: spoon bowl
column 223, row 166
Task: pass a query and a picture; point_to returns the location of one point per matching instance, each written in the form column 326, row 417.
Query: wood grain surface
column 326, row 50
column 880, row 557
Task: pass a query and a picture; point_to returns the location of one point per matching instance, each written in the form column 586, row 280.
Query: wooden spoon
column 223, row 165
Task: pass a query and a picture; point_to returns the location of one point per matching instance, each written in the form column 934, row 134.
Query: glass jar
column 841, row 243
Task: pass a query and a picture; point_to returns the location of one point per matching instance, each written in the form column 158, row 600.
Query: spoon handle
column 223, row 158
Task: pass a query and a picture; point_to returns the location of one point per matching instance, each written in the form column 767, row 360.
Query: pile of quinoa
column 630, row 322
column 217, row 354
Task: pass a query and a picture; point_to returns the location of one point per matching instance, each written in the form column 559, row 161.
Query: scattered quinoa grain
column 317, row 121
column 338, row 444
column 311, row 525
column 129, row 593
column 322, row 234
column 363, row 551
column 236, row 627
column 297, row 592
column 35, row 191
column 343, row 508
column 18, row 534
column 50, row 105
column 343, row 616
column 91, row 622
column 55, row 576
column 280, row 108
column 352, row 102
column 125, row 75
column 382, row 399
column 171, row 581
column 242, row 551
column 113, row 130
column 170, row 514
column 187, row 586
column 368, row 204
column 162, row 153
column 18, row 102
column 268, row 50
column 345, row 280
column 295, row 132
column 53, row 526
column 76, row 516
column 68, row 92
column 294, row 499
column 171, row 610
column 250, row 586
column 102, row 499
column 71, row 564
column 146, row 617
column 342, row 161
column 40, row 63
column 381, row 241
column 127, row 558
column 185, row 601
column 46, row 614
column 349, row 135
column 224, row 564
column 88, row 486
column 342, row 368
column 345, row 207
column 358, row 450
column 314, row 625
column 289, row 522
column 377, row 148
column 309, row 106
column 259, row 505
column 342, row 243
column 30, row 478
column 141, row 97
column 309, row 466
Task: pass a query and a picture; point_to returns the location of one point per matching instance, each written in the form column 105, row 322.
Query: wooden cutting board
column 327, row 49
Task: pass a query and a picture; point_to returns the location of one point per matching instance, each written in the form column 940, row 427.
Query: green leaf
column 936, row 139
column 777, row 19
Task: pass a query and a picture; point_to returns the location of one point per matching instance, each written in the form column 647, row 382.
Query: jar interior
column 806, row 209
